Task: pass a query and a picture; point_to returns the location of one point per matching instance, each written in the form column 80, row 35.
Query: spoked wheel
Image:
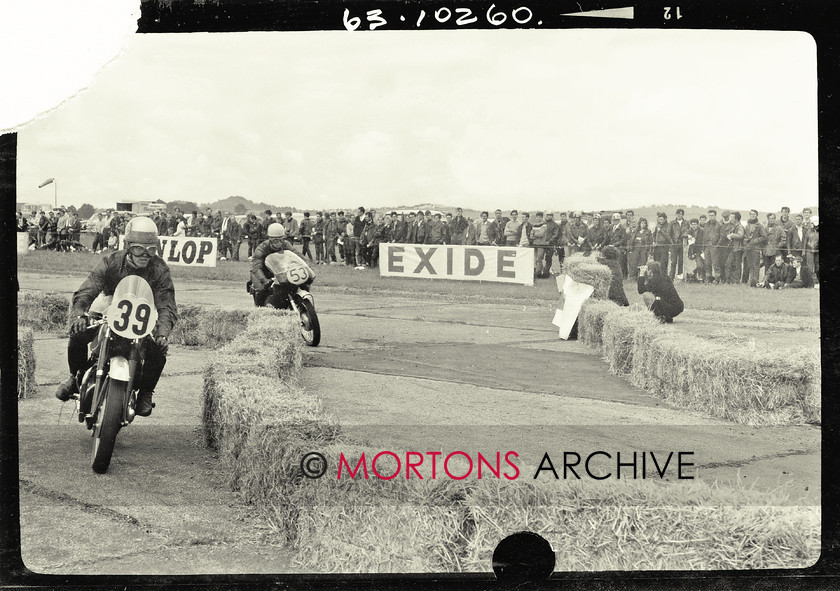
column 107, row 425
column 310, row 328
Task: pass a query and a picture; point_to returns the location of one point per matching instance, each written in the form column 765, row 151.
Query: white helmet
column 276, row 230
column 141, row 230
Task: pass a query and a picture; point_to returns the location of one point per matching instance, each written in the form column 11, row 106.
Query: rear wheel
column 107, row 425
column 310, row 328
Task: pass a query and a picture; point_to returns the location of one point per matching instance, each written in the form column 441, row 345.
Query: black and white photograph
column 499, row 300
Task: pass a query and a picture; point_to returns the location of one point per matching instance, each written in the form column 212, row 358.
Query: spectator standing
column 616, row 236
column 755, row 241
column 305, row 229
column 499, row 224
column 63, row 229
column 595, row 234
column 470, row 233
column 525, row 230
column 796, row 238
column 434, row 230
column 232, row 236
column 812, row 246
column 356, row 240
column 575, row 238
column 484, row 235
column 711, row 250
column 318, row 230
column 552, row 237
column 638, row 247
column 446, row 229
column 694, row 245
column 268, row 219
column 350, row 242
column 512, row 229
column 735, row 259
column 539, row 238
column 43, row 229
column 661, row 240
column 677, row 229
column 459, row 225
column 399, row 228
column 727, row 227
column 98, row 226
column 330, row 237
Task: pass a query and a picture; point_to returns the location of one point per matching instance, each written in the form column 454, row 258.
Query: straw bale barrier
column 724, row 379
column 644, row 525
column 207, row 326
column 400, row 525
column 381, row 526
column 258, row 417
column 729, row 381
column 26, row 364
column 591, row 320
column 45, row 311
column 589, row 271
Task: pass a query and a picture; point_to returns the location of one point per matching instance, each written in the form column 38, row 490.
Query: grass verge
column 43, row 311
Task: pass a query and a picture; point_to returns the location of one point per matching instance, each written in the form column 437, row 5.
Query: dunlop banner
column 461, row 263
column 189, row 252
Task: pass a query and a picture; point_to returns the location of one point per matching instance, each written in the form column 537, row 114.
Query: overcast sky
column 482, row 119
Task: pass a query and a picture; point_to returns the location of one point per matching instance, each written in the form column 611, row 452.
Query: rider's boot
column 66, row 389
column 144, row 404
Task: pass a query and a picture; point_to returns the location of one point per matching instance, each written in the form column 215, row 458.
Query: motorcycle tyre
column 107, row 425
column 307, row 309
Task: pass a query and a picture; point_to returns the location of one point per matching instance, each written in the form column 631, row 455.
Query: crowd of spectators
column 781, row 252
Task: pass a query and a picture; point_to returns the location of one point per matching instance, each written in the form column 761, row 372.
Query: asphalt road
column 400, row 374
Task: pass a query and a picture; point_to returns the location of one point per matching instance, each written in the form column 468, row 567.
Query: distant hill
column 230, row 204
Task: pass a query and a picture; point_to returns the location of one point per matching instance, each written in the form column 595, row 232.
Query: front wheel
column 310, row 328
column 107, row 425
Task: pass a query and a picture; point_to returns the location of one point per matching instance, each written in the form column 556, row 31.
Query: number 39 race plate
column 132, row 314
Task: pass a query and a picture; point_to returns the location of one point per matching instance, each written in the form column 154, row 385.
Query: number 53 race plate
column 132, row 314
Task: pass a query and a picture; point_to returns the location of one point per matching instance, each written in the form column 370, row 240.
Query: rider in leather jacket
column 260, row 284
column 139, row 257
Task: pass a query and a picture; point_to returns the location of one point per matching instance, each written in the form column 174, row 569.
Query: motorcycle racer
column 140, row 256
column 260, row 284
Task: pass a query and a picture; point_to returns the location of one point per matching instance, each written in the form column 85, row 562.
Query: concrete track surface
column 399, row 374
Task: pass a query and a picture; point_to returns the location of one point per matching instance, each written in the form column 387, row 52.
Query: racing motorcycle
column 291, row 274
column 109, row 386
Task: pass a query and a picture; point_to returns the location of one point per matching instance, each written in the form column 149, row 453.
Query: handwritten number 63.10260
column 462, row 17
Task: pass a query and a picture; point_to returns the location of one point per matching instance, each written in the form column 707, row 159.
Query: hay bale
column 642, row 525
column 591, row 320
column 257, row 416
column 374, row 525
column 43, row 311
column 731, row 382
column 26, row 364
column 619, row 329
column 208, row 326
column 595, row 274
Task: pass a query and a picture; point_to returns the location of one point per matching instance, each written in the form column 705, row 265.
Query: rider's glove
column 78, row 324
column 163, row 343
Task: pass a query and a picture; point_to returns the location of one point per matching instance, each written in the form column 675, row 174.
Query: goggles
column 139, row 250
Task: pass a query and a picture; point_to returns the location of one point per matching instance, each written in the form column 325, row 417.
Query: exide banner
column 461, row 263
column 181, row 250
